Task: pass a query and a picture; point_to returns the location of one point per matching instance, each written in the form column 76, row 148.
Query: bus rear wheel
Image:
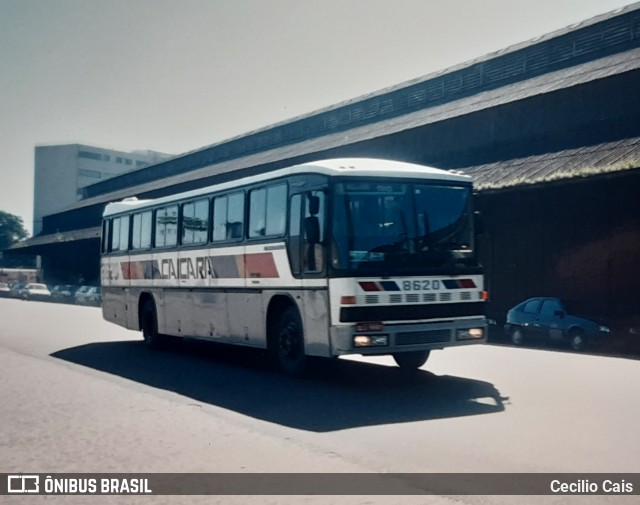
column 149, row 325
column 411, row 360
column 286, row 345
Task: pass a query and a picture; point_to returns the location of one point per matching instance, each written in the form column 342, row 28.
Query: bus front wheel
column 411, row 360
column 287, row 343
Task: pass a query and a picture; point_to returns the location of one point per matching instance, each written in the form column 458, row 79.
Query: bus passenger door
column 306, row 245
column 310, row 260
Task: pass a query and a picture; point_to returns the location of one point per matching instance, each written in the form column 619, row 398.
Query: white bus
column 344, row 256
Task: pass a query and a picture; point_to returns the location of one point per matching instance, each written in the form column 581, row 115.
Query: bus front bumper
column 375, row 339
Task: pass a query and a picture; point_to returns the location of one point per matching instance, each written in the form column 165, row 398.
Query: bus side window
column 124, row 233
column 104, row 248
column 235, row 217
column 119, row 237
column 267, row 211
column 228, row 217
column 145, row 232
column 114, row 239
column 313, row 256
column 166, row 226
column 220, row 219
column 141, row 231
column 195, row 222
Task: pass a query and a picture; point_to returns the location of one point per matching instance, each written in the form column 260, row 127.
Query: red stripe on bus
column 128, row 269
column 370, row 286
column 260, row 265
column 134, row 270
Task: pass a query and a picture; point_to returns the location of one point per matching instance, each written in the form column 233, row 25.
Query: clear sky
column 178, row 75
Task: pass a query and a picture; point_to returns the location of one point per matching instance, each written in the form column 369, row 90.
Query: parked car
column 4, row 290
column 551, row 319
column 80, row 294
column 35, row 291
column 64, row 293
column 15, row 289
column 89, row 295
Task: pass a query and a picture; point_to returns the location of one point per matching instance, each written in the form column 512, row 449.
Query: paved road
column 80, row 394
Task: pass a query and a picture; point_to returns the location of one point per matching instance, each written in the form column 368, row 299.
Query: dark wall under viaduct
column 578, row 240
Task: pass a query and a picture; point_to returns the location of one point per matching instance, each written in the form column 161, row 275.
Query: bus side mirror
column 314, row 205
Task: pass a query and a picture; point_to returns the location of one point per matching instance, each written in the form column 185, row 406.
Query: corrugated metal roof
column 566, row 164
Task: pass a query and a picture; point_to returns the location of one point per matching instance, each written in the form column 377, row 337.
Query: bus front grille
column 423, row 337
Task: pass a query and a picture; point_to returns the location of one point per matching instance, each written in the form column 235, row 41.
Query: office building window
column 89, row 155
column 93, row 174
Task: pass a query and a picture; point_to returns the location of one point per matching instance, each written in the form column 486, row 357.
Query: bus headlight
column 370, row 340
column 470, row 334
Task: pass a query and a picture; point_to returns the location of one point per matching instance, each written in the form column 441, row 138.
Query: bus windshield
column 398, row 227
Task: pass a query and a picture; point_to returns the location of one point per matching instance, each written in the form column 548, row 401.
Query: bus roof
column 353, row 167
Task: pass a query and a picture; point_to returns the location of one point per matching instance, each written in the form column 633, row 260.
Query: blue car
column 550, row 319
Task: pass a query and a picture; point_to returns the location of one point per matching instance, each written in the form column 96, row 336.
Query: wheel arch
column 286, row 342
column 144, row 297
column 575, row 328
column 277, row 305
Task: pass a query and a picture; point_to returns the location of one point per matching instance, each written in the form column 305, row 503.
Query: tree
column 11, row 229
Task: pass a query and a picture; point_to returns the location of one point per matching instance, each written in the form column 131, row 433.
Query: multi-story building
column 61, row 171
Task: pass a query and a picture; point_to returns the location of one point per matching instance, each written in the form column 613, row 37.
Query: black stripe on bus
column 410, row 312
